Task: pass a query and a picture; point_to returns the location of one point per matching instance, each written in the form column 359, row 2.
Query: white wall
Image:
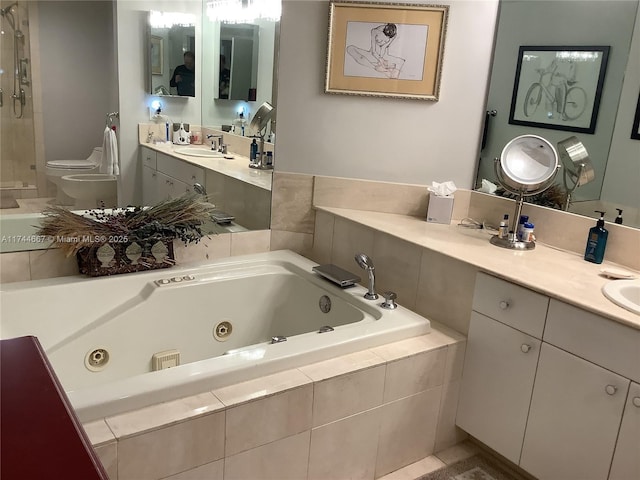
column 410, row 141
column 134, row 100
column 622, row 179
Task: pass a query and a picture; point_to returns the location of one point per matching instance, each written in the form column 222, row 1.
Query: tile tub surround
column 362, row 415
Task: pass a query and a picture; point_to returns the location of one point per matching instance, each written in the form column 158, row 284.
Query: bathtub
column 205, row 326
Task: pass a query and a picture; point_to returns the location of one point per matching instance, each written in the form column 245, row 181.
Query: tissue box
column 440, row 209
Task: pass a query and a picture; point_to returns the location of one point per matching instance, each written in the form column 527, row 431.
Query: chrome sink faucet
column 213, row 142
column 367, row 264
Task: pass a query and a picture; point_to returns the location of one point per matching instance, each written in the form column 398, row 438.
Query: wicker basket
column 114, row 258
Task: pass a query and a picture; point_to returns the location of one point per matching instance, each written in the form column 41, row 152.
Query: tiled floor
column 27, row 205
column 446, row 457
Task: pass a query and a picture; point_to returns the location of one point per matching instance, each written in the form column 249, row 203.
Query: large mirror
column 568, row 24
column 238, row 71
column 171, row 45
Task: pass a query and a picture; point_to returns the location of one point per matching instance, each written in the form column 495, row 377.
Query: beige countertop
column 556, row 273
column 237, row 168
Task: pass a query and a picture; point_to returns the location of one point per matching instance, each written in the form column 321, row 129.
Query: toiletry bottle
column 269, row 159
column 527, row 232
column 253, row 153
column 618, row 219
column 523, row 219
column 596, row 241
column 503, row 230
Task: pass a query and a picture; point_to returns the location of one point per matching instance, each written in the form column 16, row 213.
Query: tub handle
column 389, row 300
column 278, row 339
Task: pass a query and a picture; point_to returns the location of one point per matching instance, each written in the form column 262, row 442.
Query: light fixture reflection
column 243, row 11
column 170, row 19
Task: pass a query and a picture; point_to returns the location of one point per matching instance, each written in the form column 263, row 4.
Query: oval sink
column 624, row 293
column 198, row 152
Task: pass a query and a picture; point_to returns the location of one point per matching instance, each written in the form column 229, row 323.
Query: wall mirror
column 613, row 153
column 238, row 71
column 171, row 53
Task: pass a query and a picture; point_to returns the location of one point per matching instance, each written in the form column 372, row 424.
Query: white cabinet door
column 497, row 380
column 626, row 459
column 165, row 186
column 574, row 419
column 149, row 186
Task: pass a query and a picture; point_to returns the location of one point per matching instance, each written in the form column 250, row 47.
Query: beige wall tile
column 341, row 365
column 397, row 268
column 447, row 433
column 297, row 242
column 322, row 238
column 261, row 387
column 163, row 414
column 172, row 450
column 98, row 432
column 461, row 204
column 210, row 471
column 14, row 267
column 291, row 202
column 455, row 361
column 263, row 421
column 349, row 239
column 108, row 455
column 457, row 452
column 250, row 242
column 414, row 374
column 209, row 248
column 346, row 448
column 280, row 460
column 51, row 263
column 437, row 338
column 407, row 430
column 445, row 290
column 346, row 395
column 386, row 197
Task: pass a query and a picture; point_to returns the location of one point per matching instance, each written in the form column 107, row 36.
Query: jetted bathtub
column 202, row 327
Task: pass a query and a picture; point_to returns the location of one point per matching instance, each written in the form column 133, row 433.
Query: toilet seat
column 71, row 164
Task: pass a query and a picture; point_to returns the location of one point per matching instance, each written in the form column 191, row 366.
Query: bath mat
column 478, row 467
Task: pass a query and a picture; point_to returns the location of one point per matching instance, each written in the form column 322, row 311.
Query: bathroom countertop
column 556, row 273
column 237, row 168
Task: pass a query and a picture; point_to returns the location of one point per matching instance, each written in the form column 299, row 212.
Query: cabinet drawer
column 148, row 157
column 180, row 170
column 510, row 304
column 610, row 344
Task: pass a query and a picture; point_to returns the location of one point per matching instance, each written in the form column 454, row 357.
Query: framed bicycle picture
column 558, row 87
column 386, row 50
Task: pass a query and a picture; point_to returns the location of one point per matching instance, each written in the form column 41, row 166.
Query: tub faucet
column 367, row 264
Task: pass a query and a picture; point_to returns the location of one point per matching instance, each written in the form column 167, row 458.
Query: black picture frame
column 635, row 130
column 559, row 87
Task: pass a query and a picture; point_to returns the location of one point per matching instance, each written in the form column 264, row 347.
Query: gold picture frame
column 386, row 50
column 157, row 55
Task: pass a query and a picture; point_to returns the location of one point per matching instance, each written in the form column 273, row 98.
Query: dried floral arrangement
column 129, row 234
column 553, row 197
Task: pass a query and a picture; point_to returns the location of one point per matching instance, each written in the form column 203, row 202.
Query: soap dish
column 337, row 275
column 616, row 273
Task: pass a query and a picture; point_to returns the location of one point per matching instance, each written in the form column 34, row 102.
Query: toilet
column 56, row 169
column 91, row 190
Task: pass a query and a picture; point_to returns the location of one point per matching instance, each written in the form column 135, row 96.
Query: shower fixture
column 19, row 65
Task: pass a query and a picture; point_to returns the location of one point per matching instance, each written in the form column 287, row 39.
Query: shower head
column 364, row 261
column 6, row 12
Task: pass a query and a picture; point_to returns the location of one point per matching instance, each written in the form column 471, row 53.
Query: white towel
column 109, row 164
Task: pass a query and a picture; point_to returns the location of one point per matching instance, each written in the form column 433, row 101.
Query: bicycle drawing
column 558, row 87
column 560, row 93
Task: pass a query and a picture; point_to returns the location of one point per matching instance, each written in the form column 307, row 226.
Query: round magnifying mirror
column 527, row 165
column 262, row 116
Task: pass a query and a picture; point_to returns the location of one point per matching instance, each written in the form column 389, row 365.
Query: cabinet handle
column 525, row 348
column 636, row 401
column 611, row 389
column 503, row 304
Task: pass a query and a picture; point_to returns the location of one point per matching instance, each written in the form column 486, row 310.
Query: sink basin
column 198, row 152
column 624, row 293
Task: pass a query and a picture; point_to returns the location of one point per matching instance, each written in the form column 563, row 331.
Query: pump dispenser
column 618, row 219
column 596, row 241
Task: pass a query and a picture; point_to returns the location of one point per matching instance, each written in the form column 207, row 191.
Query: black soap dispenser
column 618, row 219
column 597, row 241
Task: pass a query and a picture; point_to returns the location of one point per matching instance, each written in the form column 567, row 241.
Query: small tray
column 337, row 275
column 222, row 218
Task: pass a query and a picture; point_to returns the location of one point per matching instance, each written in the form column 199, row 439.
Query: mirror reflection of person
column 184, row 76
column 377, row 57
column 225, row 78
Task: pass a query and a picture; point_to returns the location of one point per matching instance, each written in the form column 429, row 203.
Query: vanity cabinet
column 165, row 177
column 559, row 414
